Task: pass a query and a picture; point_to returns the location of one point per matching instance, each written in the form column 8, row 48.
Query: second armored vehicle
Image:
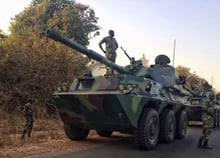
column 195, row 110
column 147, row 102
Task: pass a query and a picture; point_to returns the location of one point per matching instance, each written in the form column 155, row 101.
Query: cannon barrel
column 90, row 53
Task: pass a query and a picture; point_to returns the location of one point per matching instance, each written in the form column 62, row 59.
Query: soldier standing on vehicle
column 111, row 46
column 28, row 114
column 207, row 119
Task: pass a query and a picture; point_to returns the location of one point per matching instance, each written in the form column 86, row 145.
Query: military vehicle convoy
column 198, row 100
column 149, row 103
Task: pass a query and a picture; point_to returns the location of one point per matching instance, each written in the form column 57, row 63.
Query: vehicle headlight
column 59, row 89
column 129, row 87
column 126, row 88
column 64, row 88
column 121, row 87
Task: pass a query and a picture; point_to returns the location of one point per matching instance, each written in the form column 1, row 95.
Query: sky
column 8, row 9
column 150, row 27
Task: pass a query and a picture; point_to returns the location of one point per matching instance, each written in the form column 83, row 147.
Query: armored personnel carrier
column 198, row 100
column 149, row 103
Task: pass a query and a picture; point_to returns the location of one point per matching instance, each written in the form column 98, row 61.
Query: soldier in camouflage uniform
column 207, row 119
column 111, row 46
column 28, row 114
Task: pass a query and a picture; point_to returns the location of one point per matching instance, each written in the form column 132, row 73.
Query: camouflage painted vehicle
column 195, row 110
column 147, row 102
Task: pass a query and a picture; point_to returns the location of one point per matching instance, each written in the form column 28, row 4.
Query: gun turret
column 90, row 53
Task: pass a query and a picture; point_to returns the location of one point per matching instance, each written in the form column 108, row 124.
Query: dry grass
column 44, row 129
column 47, row 136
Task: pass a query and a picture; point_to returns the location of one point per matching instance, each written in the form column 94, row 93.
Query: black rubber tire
column 75, row 133
column 181, row 124
column 148, row 129
column 167, row 126
column 103, row 133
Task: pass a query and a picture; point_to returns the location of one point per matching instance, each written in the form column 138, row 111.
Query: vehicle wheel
column 75, row 133
column 181, row 124
column 148, row 129
column 167, row 126
column 103, row 133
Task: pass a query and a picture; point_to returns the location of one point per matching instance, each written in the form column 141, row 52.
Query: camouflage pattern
column 200, row 98
column 28, row 114
column 111, row 57
column 111, row 46
column 207, row 118
column 120, row 102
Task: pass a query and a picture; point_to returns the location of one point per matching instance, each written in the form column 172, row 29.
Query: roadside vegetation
column 32, row 66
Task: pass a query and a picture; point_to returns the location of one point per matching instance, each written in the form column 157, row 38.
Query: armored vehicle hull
column 195, row 110
column 195, row 113
column 113, row 109
column 146, row 102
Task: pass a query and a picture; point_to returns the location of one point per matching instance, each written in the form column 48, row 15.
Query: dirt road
column 122, row 146
column 117, row 146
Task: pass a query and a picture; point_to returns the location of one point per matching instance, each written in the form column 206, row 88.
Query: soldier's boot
column 23, row 134
column 22, row 137
column 206, row 145
column 200, row 142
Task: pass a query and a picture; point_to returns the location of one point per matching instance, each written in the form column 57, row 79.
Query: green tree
column 33, row 65
column 2, row 35
column 193, row 81
column 145, row 61
column 181, row 70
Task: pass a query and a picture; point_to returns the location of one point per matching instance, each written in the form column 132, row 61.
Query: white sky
column 150, row 26
column 8, row 9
